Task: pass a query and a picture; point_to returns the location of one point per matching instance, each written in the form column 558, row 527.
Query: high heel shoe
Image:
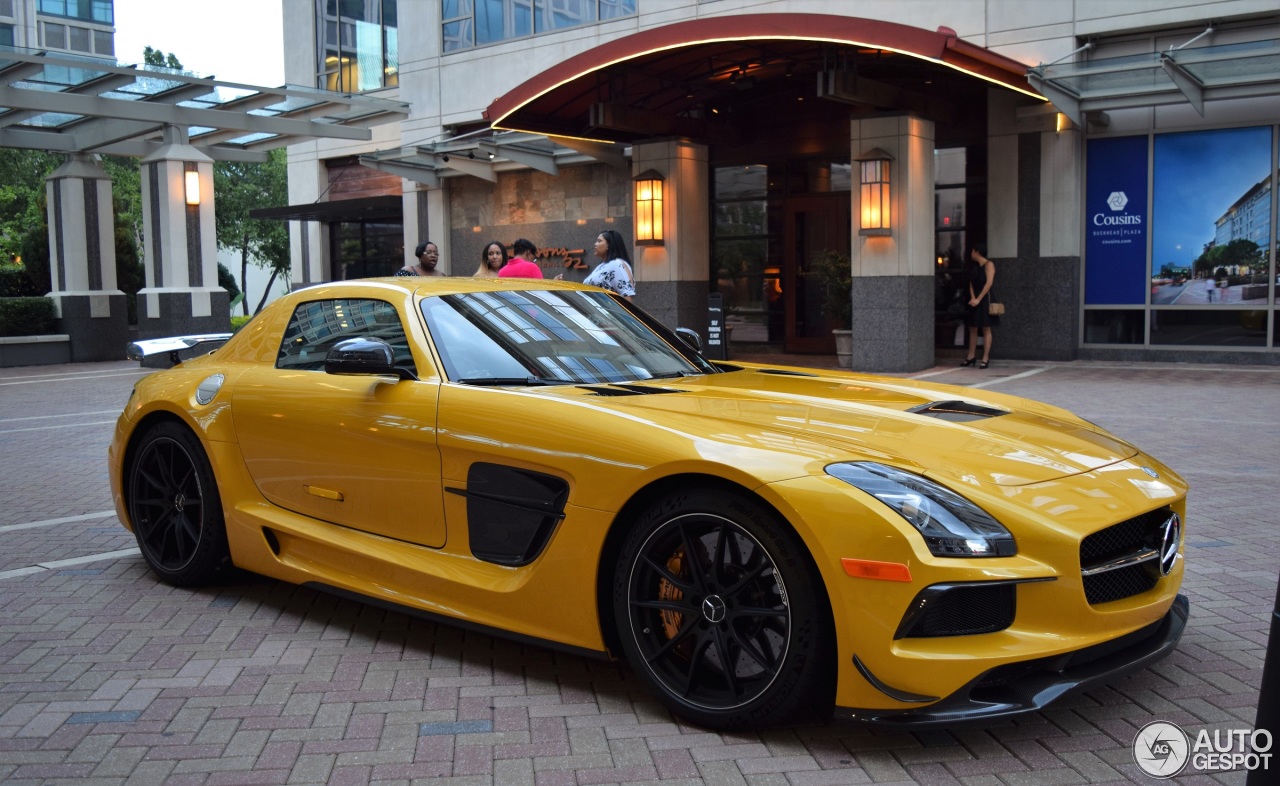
column 984, row 364
column 968, row 361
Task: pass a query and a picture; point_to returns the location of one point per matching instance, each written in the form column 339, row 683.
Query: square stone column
column 672, row 278
column 82, row 260
column 179, row 245
column 893, row 275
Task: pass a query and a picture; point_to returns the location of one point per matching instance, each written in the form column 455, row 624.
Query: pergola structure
column 177, row 124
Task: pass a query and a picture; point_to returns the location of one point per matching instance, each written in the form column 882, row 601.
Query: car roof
column 425, row 286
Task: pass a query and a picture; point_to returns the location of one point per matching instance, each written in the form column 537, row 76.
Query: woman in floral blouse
column 614, row 272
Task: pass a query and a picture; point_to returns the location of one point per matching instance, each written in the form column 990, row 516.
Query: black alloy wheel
column 716, row 608
column 174, row 507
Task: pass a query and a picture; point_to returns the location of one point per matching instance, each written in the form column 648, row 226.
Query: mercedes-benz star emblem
column 713, row 608
column 1151, row 472
column 1170, row 536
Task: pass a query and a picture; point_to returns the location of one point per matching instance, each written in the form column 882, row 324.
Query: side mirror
column 364, row 355
column 690, row 337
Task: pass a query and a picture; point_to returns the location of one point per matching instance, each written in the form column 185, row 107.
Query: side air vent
column 511, row 512
column 620, row 389
column 957, row 411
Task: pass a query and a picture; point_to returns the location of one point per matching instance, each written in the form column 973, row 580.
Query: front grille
column 1119, row 584
column 1135, row 534
column 962, row 610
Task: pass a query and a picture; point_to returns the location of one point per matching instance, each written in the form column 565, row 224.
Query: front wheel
column 174, row 507
column 720, row 610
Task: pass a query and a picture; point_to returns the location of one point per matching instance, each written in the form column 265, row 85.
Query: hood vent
column 619, row 389
column 782, row 372
column 957, row 411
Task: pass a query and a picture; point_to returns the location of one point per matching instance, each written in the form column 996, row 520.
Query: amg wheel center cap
column 178, row 502
column 713, row 608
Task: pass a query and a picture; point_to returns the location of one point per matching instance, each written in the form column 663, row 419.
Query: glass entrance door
column 810, row 225
column 364, row 249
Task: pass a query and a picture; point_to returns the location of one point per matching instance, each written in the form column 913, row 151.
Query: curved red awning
column 565, row 87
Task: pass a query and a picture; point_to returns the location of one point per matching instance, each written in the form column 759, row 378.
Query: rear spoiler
column 169, row 352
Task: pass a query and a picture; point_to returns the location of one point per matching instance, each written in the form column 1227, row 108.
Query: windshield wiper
column 504, row 381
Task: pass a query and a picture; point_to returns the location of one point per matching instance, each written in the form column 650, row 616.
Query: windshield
column 548, row 337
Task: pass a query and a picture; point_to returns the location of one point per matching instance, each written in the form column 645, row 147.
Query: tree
column 157, row 58
column 22, row 199
column 241, row 187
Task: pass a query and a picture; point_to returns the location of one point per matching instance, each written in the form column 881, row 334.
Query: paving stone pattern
column 109, row 677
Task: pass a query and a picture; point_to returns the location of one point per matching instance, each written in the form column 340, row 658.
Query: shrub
column 835, row 274
column 14, row 282
column 26, row 316
column 238, row 322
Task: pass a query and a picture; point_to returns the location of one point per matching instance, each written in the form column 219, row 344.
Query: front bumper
column 1018, row 688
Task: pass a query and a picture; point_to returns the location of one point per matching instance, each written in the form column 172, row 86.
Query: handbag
column 996, row 309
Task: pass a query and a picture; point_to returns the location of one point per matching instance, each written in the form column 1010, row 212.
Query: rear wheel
column 718, row 609
column 174, row 507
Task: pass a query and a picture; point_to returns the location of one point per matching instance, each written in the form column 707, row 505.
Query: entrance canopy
column 687, row 78
column 68, row 104
column 1177, row 76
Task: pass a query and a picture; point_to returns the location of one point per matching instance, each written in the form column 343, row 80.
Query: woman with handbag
column 981, row 277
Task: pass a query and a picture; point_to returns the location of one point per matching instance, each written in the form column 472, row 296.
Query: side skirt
column 430, row 616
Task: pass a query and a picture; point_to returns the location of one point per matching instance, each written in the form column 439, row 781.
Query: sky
column 231, row 40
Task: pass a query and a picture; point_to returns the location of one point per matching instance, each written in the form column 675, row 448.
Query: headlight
column 952, row 526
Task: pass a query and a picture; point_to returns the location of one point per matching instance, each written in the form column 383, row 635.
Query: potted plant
column 835, row 275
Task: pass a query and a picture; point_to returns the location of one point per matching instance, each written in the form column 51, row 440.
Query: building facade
column 1113, row 158
column 82, row 27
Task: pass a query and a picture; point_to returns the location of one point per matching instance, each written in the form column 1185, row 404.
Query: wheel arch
column 648, row 495
column 137, row 434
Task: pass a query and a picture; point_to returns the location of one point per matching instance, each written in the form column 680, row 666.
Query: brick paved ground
column 107, row 676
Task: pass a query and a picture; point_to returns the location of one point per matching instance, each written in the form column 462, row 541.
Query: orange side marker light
column 870, row 569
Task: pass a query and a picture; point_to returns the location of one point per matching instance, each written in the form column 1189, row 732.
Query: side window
column 319, row 324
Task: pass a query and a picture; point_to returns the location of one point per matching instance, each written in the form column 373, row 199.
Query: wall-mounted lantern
column 649, row 209
column 875, row 197
column 192, row 186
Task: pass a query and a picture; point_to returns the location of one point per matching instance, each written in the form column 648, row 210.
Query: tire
column 175, row 508
column 749, row 596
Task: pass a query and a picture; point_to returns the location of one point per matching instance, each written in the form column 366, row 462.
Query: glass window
column 358, row 45
column 78, row 39
column 104, row 43
column 1114, row 326
column 557, row 14
column 6, row 7
column 55, row 36
column 100, row 11
column 6, row 35
column 468, row 23
column 1209, row 328
column 737, row 182
column 316, row 326
column 949, row 166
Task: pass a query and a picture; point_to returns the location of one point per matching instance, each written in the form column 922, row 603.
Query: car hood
column 949, row 432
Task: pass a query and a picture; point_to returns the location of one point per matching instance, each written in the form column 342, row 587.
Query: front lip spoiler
column 1033, row 692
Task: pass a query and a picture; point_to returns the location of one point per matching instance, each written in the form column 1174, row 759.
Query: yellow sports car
column 544, row 460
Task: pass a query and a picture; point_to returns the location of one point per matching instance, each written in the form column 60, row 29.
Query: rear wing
column 168, row 352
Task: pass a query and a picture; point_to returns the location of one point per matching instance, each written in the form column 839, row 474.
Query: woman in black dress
column 981, row 277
